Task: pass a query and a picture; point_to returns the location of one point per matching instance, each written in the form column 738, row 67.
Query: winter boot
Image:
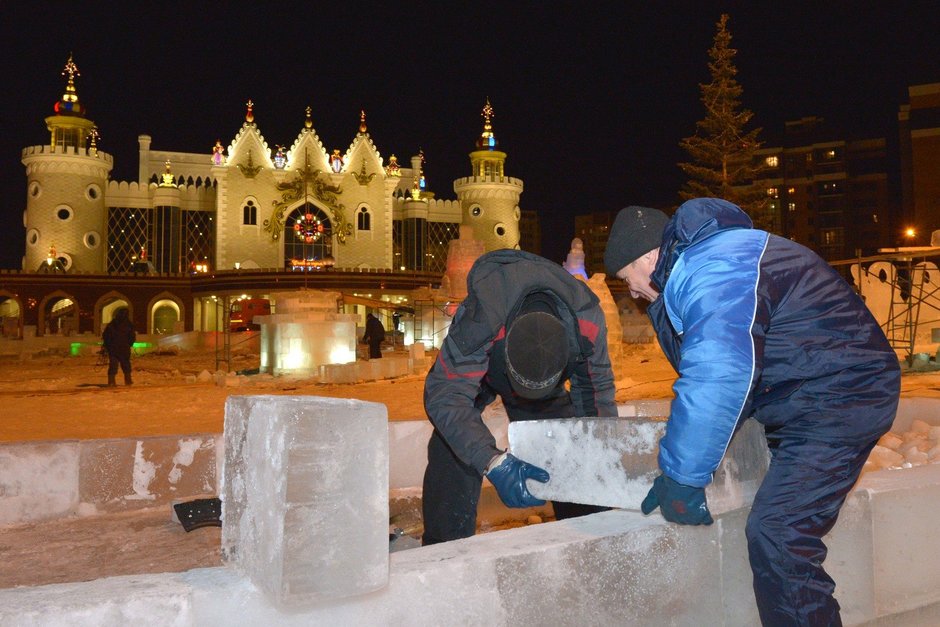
column 127, row 379
column 111, row 382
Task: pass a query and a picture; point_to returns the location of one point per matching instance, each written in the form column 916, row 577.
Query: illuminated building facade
column 242, row 216
column 919, row 126
column 247, row 204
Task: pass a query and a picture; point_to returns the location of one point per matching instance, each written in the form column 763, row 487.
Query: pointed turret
column 70, row 163
column 69, row 127
column 489, row 199
column 486, row 160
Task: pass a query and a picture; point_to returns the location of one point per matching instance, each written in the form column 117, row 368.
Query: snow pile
column 916, row 447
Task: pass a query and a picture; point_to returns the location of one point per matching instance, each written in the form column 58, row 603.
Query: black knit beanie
column 636, row 231
column 536, row 353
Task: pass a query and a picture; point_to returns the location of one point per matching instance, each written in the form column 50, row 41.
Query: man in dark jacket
column 119, row 337
column 525, row 329
column 374, row 336
column 759, row 325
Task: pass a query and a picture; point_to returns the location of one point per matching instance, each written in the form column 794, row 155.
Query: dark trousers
column 124, row 361
column 375, row 350
column 796, row 505
column 451, row 495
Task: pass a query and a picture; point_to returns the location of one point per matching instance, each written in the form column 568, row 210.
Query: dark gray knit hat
column 536, row 354
column 636, row 231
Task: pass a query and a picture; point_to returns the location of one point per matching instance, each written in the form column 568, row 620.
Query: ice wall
column 305, row 496
column 617, row 567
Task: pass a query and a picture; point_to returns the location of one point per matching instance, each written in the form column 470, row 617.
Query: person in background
column 525, row 329
column 118, row 338
column 758, row 325
column 374, row 336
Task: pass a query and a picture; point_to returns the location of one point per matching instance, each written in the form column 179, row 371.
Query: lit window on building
column 363, row 220
column 250, row 213
column 791, row 190
column 791, row 206
column 830, row 154
column 773, row 192
column 772, row 161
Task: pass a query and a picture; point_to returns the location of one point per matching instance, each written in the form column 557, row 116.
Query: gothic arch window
column 308, row 236
column 363, row 219
column 250, row 213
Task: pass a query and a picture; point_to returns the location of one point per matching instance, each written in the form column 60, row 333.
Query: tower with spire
column 66, row 182
column 489, row 200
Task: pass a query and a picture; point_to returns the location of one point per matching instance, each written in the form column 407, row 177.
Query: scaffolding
column 911, row 287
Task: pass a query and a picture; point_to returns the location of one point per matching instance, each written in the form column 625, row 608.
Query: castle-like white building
column 251, row 205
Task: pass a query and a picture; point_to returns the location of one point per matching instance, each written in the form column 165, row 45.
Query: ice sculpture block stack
column 612, row 461
column 305, row 496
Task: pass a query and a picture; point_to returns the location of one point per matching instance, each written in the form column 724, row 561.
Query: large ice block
column 305, row 496
column 612, row 461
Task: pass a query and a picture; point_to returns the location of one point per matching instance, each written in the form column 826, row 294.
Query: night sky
column 590, row 99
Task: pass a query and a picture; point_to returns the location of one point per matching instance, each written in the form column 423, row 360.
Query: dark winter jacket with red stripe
column 756, row 324
column 469, row 372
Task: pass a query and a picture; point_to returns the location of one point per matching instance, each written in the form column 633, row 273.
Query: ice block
column 612, row 461
column 305, row 496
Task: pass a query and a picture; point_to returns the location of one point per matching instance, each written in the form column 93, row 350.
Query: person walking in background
column 119, row 337
column 374, row 336
column 526, row 328
column 756, row 324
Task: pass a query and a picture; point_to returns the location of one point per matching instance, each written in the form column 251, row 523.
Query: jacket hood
column 694, row 221
column 496, row 285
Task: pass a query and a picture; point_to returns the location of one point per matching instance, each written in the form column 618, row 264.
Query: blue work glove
column 508, row 474
column 679, row 503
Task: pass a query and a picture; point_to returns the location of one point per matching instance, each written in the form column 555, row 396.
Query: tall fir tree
column 722, row 153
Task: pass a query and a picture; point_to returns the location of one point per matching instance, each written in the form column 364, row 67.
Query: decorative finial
column 487, row 139
column 393, row 169
column 69, row 104
column 218, row 158
column 250, row 115
column 167, row 179
column 336, row 161
column 93, row 135
column 308, row 123
column 72, row 70
column 362, row 120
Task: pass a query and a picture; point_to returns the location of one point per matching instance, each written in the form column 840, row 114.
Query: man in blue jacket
column 758, row 325
column 526, row 328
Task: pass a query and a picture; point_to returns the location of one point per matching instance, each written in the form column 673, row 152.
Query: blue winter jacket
column 756, row 324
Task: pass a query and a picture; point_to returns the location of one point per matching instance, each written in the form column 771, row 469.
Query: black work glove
column 682, row 504
column 508, row 475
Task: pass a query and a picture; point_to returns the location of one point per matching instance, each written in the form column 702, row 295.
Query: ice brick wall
column 305, row 496
column 46, row 480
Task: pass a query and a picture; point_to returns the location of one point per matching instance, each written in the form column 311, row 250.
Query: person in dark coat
column 374, row 336
column 119, row 337
column 758, row 325
column 525, row 329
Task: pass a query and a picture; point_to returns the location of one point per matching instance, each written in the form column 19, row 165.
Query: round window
column 35, row 189
column 92, row 192
column 476, row 211
column 92, row 240
column 500, row 230
column 517, row 213
column 64, row 213
column 32, row 238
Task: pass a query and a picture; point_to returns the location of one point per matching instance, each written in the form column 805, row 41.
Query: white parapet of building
column 305, row 333
column 305, row 496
